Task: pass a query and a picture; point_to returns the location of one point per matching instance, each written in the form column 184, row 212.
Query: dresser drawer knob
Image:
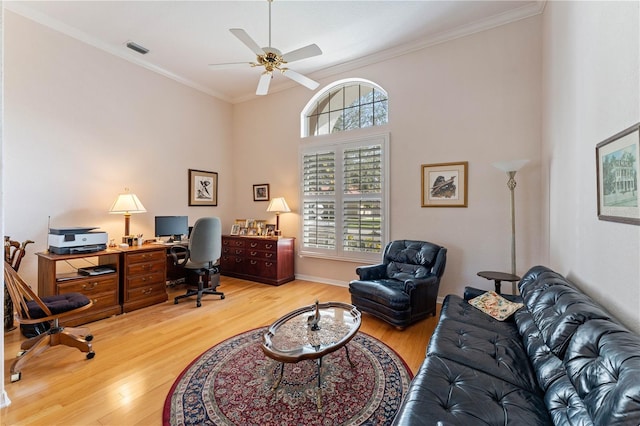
column 268, row 255
column 253, row 262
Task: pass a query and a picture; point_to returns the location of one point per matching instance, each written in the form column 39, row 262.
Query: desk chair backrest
column 205, row 244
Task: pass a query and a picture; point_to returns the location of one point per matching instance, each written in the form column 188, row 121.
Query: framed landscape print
column 444, row 184
column 203, row 188
column 617, row 167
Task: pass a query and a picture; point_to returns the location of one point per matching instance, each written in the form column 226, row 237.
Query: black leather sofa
column 561, row 359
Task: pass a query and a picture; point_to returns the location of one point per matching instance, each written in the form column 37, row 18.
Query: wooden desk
column 139, row 280
column 103, row 290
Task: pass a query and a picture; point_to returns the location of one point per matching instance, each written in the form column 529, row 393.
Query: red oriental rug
column 230, row 384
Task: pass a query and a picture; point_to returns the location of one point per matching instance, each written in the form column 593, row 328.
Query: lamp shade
column 278, row 205
column 510, row 166
column 127, row 203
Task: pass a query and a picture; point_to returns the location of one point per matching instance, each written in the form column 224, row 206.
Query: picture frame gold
column 445, row 184
column 203, row 188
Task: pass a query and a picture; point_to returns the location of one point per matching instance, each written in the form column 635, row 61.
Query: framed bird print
column 203, row 188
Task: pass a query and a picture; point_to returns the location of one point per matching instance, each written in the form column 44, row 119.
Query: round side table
column 498, row 277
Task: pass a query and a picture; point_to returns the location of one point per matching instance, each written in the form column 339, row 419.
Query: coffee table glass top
column 294, row 336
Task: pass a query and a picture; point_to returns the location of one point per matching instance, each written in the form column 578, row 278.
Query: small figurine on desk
column 313, row 320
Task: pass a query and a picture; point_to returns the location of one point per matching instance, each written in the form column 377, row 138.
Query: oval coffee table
column 295, row 336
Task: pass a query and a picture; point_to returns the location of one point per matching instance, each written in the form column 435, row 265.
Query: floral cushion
column 491, row 303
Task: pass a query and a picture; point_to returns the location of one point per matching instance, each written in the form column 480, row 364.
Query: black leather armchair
column 403, row 288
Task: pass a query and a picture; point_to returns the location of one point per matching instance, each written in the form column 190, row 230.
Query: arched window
column 345, row 105
column 344, row 174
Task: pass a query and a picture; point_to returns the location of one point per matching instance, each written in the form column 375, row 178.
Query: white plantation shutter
column 343, row 196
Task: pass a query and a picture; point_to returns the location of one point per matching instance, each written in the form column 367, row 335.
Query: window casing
column 344, row 198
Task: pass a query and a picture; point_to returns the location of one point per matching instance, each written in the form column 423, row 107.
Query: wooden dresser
column 103, row 290
column 267, row 260
column 143, row 277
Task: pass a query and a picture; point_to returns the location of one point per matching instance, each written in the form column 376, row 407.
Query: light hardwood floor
column 140, row 354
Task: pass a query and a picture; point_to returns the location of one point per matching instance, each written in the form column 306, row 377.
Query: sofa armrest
column 372, row 272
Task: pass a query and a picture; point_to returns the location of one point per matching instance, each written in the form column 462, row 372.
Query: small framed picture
column 444, row 184
column 270, row 230
column 235, row 229
column 203, row 188
column 261, row 192
column 617, row 167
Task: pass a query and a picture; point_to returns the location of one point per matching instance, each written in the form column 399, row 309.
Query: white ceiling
column 185, row 36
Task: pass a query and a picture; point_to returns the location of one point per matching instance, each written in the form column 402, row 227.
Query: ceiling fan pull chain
column 270, row 1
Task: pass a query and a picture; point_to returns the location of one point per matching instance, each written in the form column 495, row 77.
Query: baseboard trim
column 321, row 280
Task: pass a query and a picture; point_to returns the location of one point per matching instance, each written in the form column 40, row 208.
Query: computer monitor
column 172, row 226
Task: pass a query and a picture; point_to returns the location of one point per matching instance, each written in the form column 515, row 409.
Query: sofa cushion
column 494, row 305
column 564, row 404
column 603, row 364
column 445, row 392
column 547, row 366
column 558, row 309
column 483, row 350
column 457, row 309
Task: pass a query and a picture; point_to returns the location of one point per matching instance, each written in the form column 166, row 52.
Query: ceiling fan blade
column 247, row 40
column 299, row 78
column 228, row 65
column 263, row 84
column 302, row 53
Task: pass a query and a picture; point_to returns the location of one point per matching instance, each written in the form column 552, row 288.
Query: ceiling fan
column 272, row 59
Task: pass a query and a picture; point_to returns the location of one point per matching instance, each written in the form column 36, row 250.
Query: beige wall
column 81, row 125
column 591, row 92
column 474, row 99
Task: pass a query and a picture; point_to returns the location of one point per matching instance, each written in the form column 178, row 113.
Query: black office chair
column 201, row 258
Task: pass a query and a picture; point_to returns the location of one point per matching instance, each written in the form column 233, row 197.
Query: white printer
column 76, row 240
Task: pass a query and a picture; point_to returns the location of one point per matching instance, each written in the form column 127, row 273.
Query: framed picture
column 270, row 230
column 203, row 188
column 235, row 229
column 617, row 166
column 444, row 185
column 261, row 192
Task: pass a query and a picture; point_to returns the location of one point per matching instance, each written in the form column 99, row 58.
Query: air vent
column 135, row 46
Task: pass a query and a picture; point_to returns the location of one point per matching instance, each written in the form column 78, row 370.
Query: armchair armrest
column 175, row 251
column 372, row 272
column 414, row 283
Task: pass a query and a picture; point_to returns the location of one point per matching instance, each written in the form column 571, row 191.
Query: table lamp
column 511, row 167
column 127, row 203
column 278, row 205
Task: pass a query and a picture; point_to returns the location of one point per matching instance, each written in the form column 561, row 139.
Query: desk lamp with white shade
column 278, row 205
column 127, row 204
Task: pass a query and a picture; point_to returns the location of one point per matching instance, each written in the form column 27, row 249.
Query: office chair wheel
column 16, row 376
column 90, row 355
column 198, row 304
column 88, row 337
column 221, row 296
column 175, row 301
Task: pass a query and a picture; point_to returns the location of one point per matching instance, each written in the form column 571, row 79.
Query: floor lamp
column 511, row 167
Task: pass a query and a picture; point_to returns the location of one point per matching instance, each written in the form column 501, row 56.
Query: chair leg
column 67, row 339
column 202, row 278
column 40, row 346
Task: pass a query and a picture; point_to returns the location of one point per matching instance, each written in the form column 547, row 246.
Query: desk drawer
column 90, row 286
column 146, row 267
column 145, row 280
column 147, row 292
column 146, row 256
